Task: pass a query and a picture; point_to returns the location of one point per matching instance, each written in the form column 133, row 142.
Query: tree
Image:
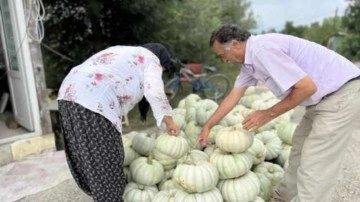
column 351, row 45
column 187, row 30
column 78, row 29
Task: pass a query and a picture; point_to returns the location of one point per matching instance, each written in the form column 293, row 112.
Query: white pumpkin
column 168, row 185
column 205, row 109
column 192, row 131
column 143, row 143
column 266, row 188
column 139, row 193
column 257, row 151
column 210, row 149
column 285, row 131
column 234, row 139
column 129, row 153
column 173, row 146
column 231, row 165
column 146, row 171
column 249, row 99
column 192, row 100
column 272, row 143
column 212, row 195
column 181, row 104
column 213, row 131
column 166, row 161
column 242, row 189
column 272, row 171
column 165, row 195
column 194, row 155
column 284, row 155
column 196, row 176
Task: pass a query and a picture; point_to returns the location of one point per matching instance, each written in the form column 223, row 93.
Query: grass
column 231, row 71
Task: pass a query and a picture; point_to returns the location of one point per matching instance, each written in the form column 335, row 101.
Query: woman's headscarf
column 161, row 52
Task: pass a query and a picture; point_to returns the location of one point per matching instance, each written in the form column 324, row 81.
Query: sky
column 274, row 13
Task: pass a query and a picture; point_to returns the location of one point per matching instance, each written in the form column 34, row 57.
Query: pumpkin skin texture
column 173, row 146
column 212, row 195
column 146, row 171
column 257, row 151
column 241, row 189
column 234, row 139
column 231, row 165
column 143, row 143
column 139, row 193
column 197, row 177
column 129, row 153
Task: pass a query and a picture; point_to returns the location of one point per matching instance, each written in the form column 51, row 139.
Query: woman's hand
column 171, row 127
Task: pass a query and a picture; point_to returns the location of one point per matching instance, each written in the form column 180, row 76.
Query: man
column 298, row 72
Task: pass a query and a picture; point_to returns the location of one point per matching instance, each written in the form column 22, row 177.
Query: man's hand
column 203, row 137
column 256, row 119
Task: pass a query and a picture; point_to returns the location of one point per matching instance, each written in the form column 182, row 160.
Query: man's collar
column 248, row 59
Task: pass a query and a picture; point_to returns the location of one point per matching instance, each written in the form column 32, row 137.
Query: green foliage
column 188, row 28
column 317, row 32
column 351, row 44
column 80, row 28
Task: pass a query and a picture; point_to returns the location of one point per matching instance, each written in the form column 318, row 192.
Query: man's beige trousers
column 319, row 144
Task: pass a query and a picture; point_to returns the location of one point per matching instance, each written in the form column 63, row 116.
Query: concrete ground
column 46, row 178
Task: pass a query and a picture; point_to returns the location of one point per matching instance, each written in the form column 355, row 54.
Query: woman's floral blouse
column 114, row 80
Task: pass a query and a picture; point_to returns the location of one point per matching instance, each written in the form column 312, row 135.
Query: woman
column 94, row 97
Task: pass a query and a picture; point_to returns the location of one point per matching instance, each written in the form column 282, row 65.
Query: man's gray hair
column 228, row 32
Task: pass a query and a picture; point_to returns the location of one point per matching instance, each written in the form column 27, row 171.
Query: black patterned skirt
column 94, row 152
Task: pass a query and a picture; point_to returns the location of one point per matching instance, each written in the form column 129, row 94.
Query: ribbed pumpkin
column 168, row 184
column 213, row 132
column 167, row 195
column 146, row 171
column 212, row 195
column 192, row 131
column 136, row 192
column 241, row 189
column 129, row 153
column 205, row 109
column 173, row 146
column 285, row 131
column 272, row 143
column 257, row 151
column 166, row 161
column 196, row 176
column 194, row 155
column 284, row 154
column 266, row 188
column 231, row 165
column 143, row 143
column 234, row 139
column 192, row 100
column 272, row 171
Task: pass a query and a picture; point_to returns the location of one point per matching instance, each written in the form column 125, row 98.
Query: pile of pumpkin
column 237, row 166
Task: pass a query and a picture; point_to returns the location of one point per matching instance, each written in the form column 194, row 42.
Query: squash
column 173, row 146
column 234, row 139
column 197, row 177
column 143, row 143
column 242, row 189
column 231, row 165
column 146, row 171
column 136, row 192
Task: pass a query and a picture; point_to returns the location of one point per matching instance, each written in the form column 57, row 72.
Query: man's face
column 235, row 53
